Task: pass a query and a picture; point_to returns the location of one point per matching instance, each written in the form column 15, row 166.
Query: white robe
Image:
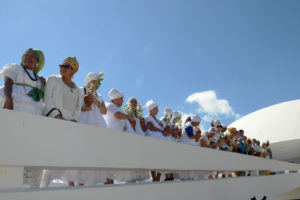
column 155, row 134
column 21, row 101
column 93, row 116
column 185, row 139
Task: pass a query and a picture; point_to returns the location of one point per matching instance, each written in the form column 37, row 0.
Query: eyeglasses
column 65, row 66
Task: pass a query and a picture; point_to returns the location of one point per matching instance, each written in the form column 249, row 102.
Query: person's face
column 118, row 102
column 30, row 60
column 195, row 124
column 219, row 129
column 154, row 111
column 66, row 70
column 133, row 104
column 96, row 83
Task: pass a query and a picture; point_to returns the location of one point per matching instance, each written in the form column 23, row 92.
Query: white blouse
column 21, row 101
column 59, row 95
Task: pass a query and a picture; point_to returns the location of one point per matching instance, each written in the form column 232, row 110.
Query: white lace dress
column 21, row 101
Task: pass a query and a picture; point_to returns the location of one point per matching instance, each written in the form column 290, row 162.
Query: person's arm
column 101, row 105
column 153, row 128
column 8, row 104
column 121, row 116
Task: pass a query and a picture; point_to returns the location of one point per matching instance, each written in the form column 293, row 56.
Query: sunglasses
column 66, row 66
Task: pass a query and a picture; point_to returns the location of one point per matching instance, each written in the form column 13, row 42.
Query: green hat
column 41, row 59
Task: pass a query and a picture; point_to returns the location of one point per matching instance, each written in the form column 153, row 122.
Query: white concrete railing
column 37, row 141
column 28, row 140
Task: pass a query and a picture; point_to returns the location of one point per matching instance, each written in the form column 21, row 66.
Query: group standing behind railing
column 59, row 97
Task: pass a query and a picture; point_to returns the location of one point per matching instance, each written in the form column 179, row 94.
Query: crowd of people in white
column 59, row 97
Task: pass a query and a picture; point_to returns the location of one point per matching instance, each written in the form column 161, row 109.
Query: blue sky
column 221, row 59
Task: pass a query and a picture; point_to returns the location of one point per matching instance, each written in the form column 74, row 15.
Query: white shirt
column 57, row 95
column 111, row 121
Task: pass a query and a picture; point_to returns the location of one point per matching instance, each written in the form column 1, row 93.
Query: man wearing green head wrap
column 24, row 89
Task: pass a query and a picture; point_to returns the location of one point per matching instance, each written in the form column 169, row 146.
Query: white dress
column 164, row 123
column 185, row 139
column 93, row 116
column 138, row 128
column 69, row 102
column 21, row 101
column 155, row 123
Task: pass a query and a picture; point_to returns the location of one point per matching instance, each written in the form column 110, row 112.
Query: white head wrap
column 168, row 111
column 115, row 94
column 128, row 101
column 176, row 114
column 150, row 105
column 195, row 118
column 91, row 76
column 224, row 125
column 215, row 123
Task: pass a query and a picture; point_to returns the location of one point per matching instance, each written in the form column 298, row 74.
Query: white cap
column 168, row 111
column 115, row 94
column 195, row 118
column 150, row 105
column 176, row 114
column 91, row 76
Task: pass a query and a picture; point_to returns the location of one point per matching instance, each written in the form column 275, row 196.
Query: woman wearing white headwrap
column 177, row 125
column 93, row 107
column 92, row 113
column 156, row 127
column 134, row 109
column 191, row 132
column 167, row 124
column 116, row 118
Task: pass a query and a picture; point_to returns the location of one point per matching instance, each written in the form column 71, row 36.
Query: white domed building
column 280, row 124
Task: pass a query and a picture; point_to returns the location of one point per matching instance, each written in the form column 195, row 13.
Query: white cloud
column 210, row 104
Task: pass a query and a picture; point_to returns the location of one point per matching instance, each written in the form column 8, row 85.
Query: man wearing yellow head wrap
column 73, row 62
column 23, row 89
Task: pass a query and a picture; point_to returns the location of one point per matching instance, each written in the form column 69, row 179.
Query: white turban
column 215, row 123
column 168, row 111
column 195, row 118
column 115, row 94
column 91, row 76
column 131, row 98
column 150, row 105
column 176, row 114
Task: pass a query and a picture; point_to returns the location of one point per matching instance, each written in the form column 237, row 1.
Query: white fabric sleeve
column 99, row 98
column 111, row 108
column 11, row 71
column 79, row 106
column 49, row 98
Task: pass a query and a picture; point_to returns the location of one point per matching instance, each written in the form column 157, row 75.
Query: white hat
column 168, row 111
column 150, row 105
column 176, row 114
column 195, row 118
column 91, row 76
column 115, row 94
